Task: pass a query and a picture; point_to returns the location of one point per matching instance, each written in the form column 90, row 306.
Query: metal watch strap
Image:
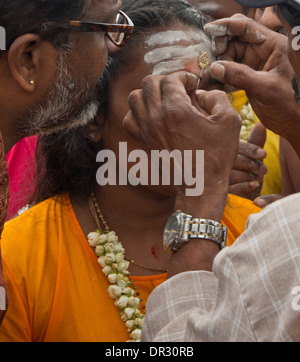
column 205, row 229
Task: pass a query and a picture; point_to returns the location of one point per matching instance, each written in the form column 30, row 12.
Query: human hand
column 254, row 58
column 266, row 200
column 168, row 114
column 248, row 171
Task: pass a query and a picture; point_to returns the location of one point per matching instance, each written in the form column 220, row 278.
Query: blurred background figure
column 218, row 8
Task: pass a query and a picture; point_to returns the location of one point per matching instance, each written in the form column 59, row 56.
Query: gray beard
column 57, row 111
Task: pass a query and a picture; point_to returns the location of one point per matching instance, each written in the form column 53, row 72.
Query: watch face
column 173, row 229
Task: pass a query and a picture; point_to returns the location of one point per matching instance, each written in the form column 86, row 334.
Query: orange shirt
column 56, row 288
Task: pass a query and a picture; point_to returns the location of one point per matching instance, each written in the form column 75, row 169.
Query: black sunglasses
column 117, row 32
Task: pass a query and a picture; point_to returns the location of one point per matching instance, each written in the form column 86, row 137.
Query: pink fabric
column 21, row 172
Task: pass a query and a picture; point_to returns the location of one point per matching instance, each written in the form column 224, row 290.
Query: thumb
column 238, row 75
column 258, row 135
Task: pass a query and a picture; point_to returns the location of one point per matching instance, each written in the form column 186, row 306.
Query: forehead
column 172, row 50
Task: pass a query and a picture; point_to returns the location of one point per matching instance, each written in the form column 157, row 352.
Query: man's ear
column 23, row 60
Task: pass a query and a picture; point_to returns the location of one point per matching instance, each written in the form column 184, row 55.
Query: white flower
column 139, row 322
column 123, row 265
column 99, row 250
column 106, row 270
column 112, row 278
column 128, row 291
column 112, row 261
column 130, row 324
column 136, row 334
column 109, row 247
column 119, row 247
column 128, row 312
column 122, row 284
column 119, row 257
column 112, row 238
column 133, row 302
column 110, row 258
column 93, row 239
column 114, row 291
column 101, row 261
column 103, row 238
column 122, row 302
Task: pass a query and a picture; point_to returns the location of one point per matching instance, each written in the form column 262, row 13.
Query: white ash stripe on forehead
column 168, row 67
column 174, row 52
column 172, row 36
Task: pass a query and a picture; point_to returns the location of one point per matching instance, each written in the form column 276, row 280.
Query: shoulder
column 35, row 227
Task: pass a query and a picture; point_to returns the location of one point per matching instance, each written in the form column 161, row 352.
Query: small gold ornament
column 203, row 61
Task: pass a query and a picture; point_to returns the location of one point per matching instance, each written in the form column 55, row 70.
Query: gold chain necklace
column 106, row 229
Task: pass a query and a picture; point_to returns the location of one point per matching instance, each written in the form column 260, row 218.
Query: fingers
column 237, row 75
column 252, row 151
column 243, row 189
column 250, row 166
column 245, row 29
column 237, row 177
column 215, row 103
column 263, row 201
column 258, row 135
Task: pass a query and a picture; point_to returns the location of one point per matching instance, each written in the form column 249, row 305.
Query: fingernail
column 217, row 70
column 261, row 153
column 260, row 203
column 254, row 184
column 216, row 29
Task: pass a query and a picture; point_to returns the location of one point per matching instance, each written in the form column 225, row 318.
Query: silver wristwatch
column 182, row 227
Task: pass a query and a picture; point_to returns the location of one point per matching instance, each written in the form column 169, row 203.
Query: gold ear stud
column 31, row 82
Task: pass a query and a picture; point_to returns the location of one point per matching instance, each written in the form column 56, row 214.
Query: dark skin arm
column 254, row 58
column 158, row 116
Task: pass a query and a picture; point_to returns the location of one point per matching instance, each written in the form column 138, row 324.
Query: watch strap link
column 205, row 229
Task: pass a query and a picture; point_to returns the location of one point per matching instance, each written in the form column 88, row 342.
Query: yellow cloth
column 272, row 180
column 56, row 287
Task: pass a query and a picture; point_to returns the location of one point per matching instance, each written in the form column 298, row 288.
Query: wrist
column 208, row 206
column 294, row 139
column 195, row 255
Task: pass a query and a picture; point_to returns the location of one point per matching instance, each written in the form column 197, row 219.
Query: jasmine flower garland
column 248, row 121
column 111, row 258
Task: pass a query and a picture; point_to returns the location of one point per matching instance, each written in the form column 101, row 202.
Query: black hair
column 291, row 15
column 19, row 17
column 66, row 160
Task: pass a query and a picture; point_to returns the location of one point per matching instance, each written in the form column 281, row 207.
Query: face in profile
column 160, row 52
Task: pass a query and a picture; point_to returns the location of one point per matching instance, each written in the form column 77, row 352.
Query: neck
column 8, row 120
column 138, row 217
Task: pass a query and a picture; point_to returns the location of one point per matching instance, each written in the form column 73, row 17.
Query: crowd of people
column 89, row 256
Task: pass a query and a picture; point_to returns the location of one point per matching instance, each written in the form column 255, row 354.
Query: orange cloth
column 56, row 288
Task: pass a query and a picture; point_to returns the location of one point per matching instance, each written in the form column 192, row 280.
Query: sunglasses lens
column 116, row 38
